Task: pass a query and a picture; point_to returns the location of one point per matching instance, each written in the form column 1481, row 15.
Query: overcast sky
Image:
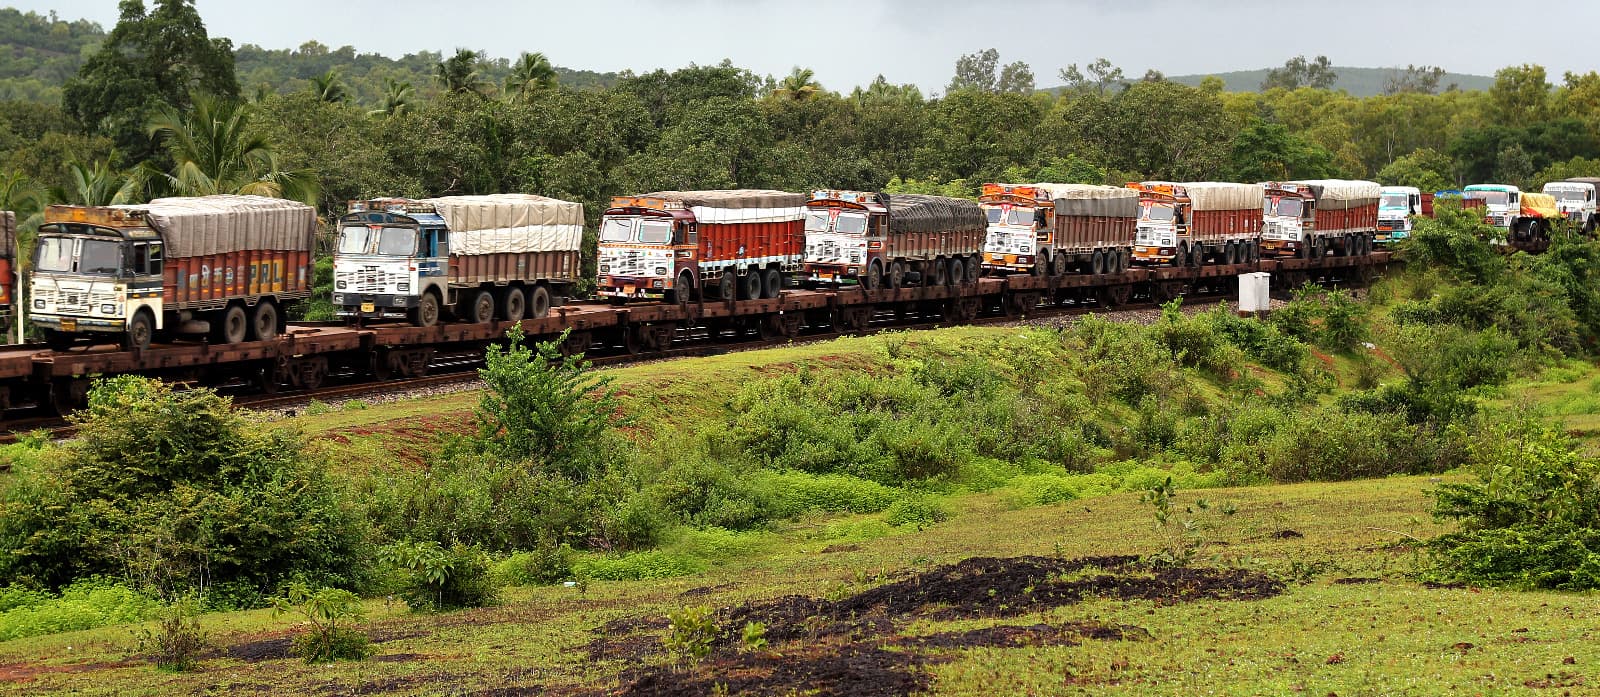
column 849, row 42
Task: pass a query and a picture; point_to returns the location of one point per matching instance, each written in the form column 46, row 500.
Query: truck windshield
column 103, row 257
column 994, row 215
column 617, row 229
column 1493, row 198
column 397, row 241
column 1159, row 212
column 1568, row 195
column 655, row 232
column 354, row 240
column 1395, row 201
column 1021, row 216
column 816, row 221
column 850, row 224
column 1289, row 207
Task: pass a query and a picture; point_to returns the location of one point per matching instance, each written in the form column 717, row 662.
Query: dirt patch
column 1562, row 679
column 707, row 590
column 270, row 649
column 23, row 672
column 835, row 549
column 1355, row 581
column 1286, row 535
column 401, row 657
column 822, row 670
column 1011, row 636
column 850, row 646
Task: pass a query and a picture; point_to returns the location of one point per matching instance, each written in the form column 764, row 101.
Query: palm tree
column 23, row 196
column 329, row 87
column 216, row 152
column 459, row 73
column 799, row 86
column 96, row 184
column 396, row 98
column 531, row 73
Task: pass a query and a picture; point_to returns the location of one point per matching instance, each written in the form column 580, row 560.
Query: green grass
column 1389, row 637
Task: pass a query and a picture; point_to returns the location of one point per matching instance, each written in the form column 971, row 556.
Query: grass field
column 1306, row 589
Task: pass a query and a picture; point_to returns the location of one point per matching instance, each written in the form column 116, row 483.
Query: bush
column 1333, row 444
column 330, row 612
column 86, row 604
column 918, row 510
column 547, row 565
column 178, row 641
column 637, row 567
column 1529, row 520
column 433, row 578
column 176, row 491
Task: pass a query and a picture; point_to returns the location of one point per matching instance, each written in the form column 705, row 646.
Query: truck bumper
column 373, row 306
column 1008, row 262
column 1154, row 255
column 630, row 288
column 79, row 325
column 1279, row 248
column 830, row 273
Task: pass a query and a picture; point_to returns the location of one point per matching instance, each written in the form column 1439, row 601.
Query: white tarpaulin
column 224, row 224
column 1224, row 196
column 1093, row 200
column 724, row 216
column 510, row 223
column 731, row 206
column 1338, row 194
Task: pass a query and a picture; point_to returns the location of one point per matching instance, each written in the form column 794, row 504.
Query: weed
column 1184, row 535
column 690, row 631
column 330, row 612
column 754, row 636
column 178, row 641
column 436, row 578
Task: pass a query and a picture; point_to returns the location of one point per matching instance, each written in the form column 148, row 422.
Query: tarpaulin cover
column 510, row 223
column 227, row 223
column 1224, row 196
column 1094, row 200
column 1542, row 205
column 923, row 213
column 1342, row 194
column 733, row 206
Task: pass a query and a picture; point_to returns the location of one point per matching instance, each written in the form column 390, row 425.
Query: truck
column 473, row 258
column 1193, row 223
column 892, row 240
column 1575, row 199
column 1310, row 218
column 1398, row 207
column 9, row 273
column 1503, row 208
column 674, row 245
column 1050, row 229
column 221, row 265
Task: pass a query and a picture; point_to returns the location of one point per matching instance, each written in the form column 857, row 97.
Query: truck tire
column 897, row 274
column 750, row 286
column 1041, row 264
column 728, row 285
column 940, row 275
column 873, row 280
column 231, row 326
column 771, row 283
column 426, row 313
column 1058, row 265
column 264, row 321
column 974, row 268
column 513, row 304
column 140, row 330
column 955, row 271
column 479, row 308
column 539, row 302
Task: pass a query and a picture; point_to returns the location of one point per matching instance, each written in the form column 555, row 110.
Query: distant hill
column 1359, row 82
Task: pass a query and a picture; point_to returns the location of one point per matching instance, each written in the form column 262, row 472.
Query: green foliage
column 690, row 633
column 1186, row 532
column 1425, row 169
column 178, row 641
column 87, row 603
column 434, row 579
column 637, row 567
column 1331, row 319
column 330, row 612
column 917, row 510
column 754, row 636
column 214, row 150
column 545, row 565
column 1529, row 519
column 545, row 409
column 174, row 491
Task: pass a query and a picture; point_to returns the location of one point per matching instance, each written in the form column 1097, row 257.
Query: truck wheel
column 727, row 286
column 514, row 304
column 941, row 273
column 264, row 321
column 1058, row 265
column 539, row 302
column 1097, row 263
column 140, row 329
column 974, row 268
column 481, row 309
column 426, row 313
column 955, row 271
column 897, row 274
column 1041, row 264
column 750, row 286
column 232, row 326
column 873, row 280
column 59, row 340
column 771, row 283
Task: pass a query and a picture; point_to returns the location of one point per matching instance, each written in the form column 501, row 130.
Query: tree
column 215, row 151
column 397, row 98
column 1297, row 72
column 329, row 87
column 459, row 73
column 1016, row 77
column 799, row 85
column 1103, row 77
column 96, row 184
column 1419, row 79
column 531, row 73
column 1269, row 152
column 1427, row 170
column 149, row 60
column 1520, row 95
column 976, row 71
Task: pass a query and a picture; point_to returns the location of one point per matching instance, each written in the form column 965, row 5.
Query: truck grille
column 627, row 262
column 74, row 301
column 369, row 279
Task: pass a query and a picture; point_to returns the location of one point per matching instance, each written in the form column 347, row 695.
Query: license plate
column 369, row 307
column 825, row 276
column 628, row 290
column 69, row 325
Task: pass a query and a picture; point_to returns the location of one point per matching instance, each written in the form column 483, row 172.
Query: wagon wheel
column 1114, row 296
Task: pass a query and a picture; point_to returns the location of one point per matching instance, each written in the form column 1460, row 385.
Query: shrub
column 330, row 612
column 637, row 567
column 916, row 510
column 690, row 633
column 1334, row 444
column 1529, row 520
column 545, row 565
column 86, row 604
column 434, row 578
column 178, row 641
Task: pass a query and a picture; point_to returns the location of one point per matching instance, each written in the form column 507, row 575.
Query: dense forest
column 332, row 125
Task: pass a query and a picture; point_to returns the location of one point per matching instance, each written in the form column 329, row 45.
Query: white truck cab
column 1396, row 207
column 1575, row 199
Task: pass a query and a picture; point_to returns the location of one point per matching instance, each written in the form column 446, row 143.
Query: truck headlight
column 403, row 287
column 108, row 309
column 338, row 298
column 38, row 303
column 605, row 268
column 661, row 270
column 341, row 285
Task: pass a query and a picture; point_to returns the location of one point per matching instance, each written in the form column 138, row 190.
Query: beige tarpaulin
column 1340, row 194
column 1224, row 196
column 510, row 223
column 223, row 224
column 738, row 205
column 1093, row 200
